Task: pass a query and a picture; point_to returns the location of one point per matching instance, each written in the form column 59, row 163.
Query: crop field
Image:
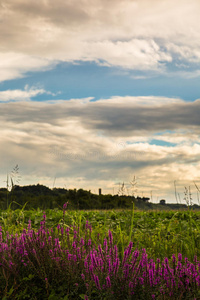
column 120, row 254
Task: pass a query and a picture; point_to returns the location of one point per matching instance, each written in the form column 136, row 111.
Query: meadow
column 104, row 254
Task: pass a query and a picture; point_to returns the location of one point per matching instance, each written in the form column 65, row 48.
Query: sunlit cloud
column 137, row 35
column 16, row 65
column 79, row 142
column 22, row 95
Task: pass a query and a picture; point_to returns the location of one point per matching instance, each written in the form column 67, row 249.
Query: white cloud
column 21, row 95
column 133, row 54
column 14, row 65
column 144, row 35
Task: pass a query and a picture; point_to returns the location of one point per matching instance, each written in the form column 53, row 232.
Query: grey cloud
column 123, row 119
column 130, row 119
column 56, row 12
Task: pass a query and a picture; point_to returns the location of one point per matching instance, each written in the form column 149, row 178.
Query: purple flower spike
column 65, row 205
column 129, row 248
column 180, row 257
column 174, row 258
column 96, row 279
column 166, row 260
column 110, row 237
column 108, row 282
column 29, row 224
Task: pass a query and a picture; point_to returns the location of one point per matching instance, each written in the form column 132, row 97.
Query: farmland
column 165, row 236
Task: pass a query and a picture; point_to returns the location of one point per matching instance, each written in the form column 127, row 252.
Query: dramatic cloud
column 119, row 116
column 140, row 35
column 103, row 143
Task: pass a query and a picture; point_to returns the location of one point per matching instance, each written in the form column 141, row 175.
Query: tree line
column 40, row 196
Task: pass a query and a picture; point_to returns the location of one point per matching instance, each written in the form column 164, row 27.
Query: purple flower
column 110, row 237
column 96, row 279
column 65, row 205
column 180, row 257
column 108, row 282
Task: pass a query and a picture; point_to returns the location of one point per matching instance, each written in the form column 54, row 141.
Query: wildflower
column 96, row 278
column 180, row 257
column 29, row 224
column 44, row 216
column 129, row 248
column 108, row 282
column 65, row 206
column 110, row 237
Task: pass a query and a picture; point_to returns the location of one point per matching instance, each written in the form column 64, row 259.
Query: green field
column 162, row 233
column 165, row 236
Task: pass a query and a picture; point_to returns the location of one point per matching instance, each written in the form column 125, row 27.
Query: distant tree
column 162, row 202
column 144, row 199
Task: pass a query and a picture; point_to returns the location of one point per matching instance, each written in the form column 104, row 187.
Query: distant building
column 99, row 191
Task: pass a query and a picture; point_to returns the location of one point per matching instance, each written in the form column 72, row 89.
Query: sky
column 95, row 93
